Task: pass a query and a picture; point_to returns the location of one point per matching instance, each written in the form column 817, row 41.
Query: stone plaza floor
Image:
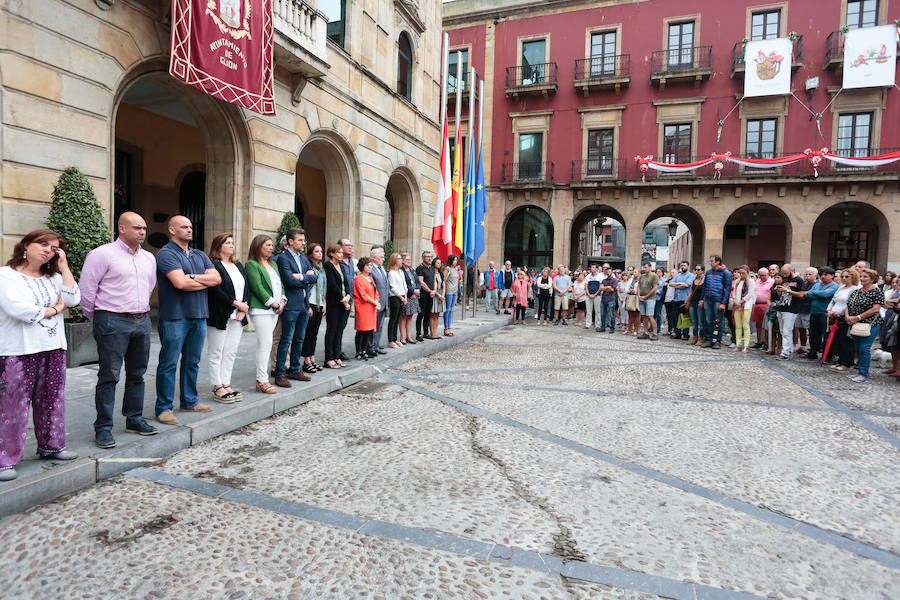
column 527, row 463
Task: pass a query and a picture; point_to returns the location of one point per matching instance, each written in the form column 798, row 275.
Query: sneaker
column 732, row 345
column 858, row 379
column 756, row 346
column 61, row 455
column 643, row 336
column 139, row 426
column 104, row 439
column 708, row 344
column 199, row 407
column 764, row 348
column 716, row 346
column 8, row 474
column 653, row 337
column 167, row 418
column 782, row 357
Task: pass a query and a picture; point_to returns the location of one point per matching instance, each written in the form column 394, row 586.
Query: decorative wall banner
column 767, row 69
column 224, row 48
column 870, row 57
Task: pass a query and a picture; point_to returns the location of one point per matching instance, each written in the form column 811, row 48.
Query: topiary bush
column 75, row 214
column 388, row 249
column 288, row 221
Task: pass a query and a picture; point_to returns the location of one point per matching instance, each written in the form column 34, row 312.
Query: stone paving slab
column 219, row 549
column 195, row 428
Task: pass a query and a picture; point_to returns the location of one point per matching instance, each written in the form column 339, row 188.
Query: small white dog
column 881, row 358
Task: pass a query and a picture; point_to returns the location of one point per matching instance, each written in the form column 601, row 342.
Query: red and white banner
column 767, row 163
column 864, row 161
column 441, row 232
column 224, row 48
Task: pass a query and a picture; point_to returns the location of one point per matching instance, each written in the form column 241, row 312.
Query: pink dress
column 520, row 292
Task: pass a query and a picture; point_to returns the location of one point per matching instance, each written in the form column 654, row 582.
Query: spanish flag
column 457, row 197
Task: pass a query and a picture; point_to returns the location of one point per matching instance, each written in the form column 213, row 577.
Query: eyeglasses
column 845, row 277
column 697, row 269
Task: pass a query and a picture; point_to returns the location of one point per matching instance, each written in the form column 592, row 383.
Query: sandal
column 332, row 365
column 215, row 392
column 265, row 388
column 309, row 368
column 232, row 392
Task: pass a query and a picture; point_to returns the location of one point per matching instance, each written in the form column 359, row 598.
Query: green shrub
column 288, row 221
column 75, row 214
column 388, row 249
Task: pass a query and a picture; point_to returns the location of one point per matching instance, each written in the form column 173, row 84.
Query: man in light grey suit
column 379, row 276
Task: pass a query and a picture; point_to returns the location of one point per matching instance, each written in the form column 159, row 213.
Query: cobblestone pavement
column 534, row 462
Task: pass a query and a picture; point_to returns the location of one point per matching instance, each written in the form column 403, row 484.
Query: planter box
column 82, row 349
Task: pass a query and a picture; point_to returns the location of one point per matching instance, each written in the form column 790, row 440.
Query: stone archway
column 611, row 243
column 757, row 235
column 528, row 237
column 687, row 245
column 403, row 223
column 869, row 233
column 328, row 178
column 149, row 110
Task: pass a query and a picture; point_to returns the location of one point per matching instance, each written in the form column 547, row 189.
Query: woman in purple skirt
column 36, row 286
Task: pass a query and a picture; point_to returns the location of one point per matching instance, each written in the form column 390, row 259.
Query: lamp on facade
column 845, row 226
column 753, row 230
column 673, row 225
column 598, row 227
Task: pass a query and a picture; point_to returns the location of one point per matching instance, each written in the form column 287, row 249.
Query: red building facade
column 574, row 91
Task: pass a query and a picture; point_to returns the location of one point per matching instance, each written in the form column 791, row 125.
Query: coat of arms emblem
column 231, row 16
column 768, row 65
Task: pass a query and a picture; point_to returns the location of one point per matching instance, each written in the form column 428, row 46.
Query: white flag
column 767, row 67
column 870, row 57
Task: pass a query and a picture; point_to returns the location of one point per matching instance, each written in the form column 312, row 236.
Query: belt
column 127, row 315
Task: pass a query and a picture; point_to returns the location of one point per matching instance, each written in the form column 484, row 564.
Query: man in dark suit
column 296, row 276
column 379, row 276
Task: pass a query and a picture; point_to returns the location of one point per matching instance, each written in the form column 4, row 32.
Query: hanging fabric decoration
column 647, row 162
column 864, row 161
column 721, row 122
column 815, row 158
column 767, row 163
column 644, row 162
column 720, row 160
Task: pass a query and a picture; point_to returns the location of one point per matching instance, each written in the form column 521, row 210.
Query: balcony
column 532, row 80
column 603, row 73
column 464, row 87
column 738, row 57
column 595, row 169
column 834, row 51
column 300, row 38
column 681, row 65
column 527, row 174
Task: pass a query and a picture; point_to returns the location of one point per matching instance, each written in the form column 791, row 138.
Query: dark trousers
column 395, row 307
column 335, row 316
column 818, row 326
column 375, row 342
column 293, row 333
column 544, row 306
column 120, row 339
column 672, row 315
column 423, row 319
column 844, row 343
column 312, row 331
column 363, row 341
column 520, row 312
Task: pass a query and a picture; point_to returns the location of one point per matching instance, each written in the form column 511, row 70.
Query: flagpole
column 468, row 196
column 445, row 75
column 481, row 158
column 457, row 146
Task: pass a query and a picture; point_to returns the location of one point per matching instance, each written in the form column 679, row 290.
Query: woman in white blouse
column 396, row 300
column 842, row 344
column 36, row 285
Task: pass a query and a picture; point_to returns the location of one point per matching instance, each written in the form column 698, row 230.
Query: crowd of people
column 819, row 315
column 204, row 302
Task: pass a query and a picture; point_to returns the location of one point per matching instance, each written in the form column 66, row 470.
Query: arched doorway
column 757, row 235
column 328, row 181
column 400, row 215
column 528, row 238
column 206, row 173
column 598, row 236
column 849, row 232
column 671, row 234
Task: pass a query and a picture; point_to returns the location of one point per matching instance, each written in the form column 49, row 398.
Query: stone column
column 562, row 211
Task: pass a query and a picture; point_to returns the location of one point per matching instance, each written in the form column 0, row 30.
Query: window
column 761, row 138
column 854, row 134
column 124, row 169
column 681, row 45
column 534, row 55
column 530, row 156
column 336, row 13
column 765, row 25
column 451, row 78
column 677, row 143
column 844, row 253
column 600, row 152
column 603, row 53
column 462, row 158
column 862, row 13
column 404, row 67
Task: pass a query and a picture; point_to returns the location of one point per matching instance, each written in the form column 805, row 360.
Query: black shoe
column 419, row 337
column 344, row 356
column 716, row 346
column 139, row 426
column 380, row 351
column 505, row 312
column 756, row 346
column 810, row 356
column 411, row 342
column 104, row 439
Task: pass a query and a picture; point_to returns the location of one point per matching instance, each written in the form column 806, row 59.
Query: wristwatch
column 192, row 275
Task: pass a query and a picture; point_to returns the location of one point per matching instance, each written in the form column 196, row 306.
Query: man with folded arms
column 116, row 282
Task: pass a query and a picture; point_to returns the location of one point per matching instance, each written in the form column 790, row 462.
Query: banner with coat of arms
column 767, row 67
column 870, row 57
column 224, row 48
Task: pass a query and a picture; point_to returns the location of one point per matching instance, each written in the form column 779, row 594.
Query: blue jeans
column 711, row 313
column 697, row 319
column 657, row 313
column 293, row 332
column 120, row 339
column 182, row 338
column 608, row 318
column 449, row 303
column 864, row 350
column 490, row 297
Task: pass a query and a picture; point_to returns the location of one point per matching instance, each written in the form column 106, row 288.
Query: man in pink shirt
column 116, row 282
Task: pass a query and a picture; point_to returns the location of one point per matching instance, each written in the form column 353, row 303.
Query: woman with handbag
column 837, row 309
column 267, row 302
column 632, row 307
column 228, row 307
column 864, row 319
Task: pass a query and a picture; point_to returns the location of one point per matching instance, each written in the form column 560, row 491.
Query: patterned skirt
column 412, row 306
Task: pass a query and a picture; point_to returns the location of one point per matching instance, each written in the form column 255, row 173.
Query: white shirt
column 397, row 283
column 277, row 293
column 23, row 300
column 237, row 281
column 838, row 304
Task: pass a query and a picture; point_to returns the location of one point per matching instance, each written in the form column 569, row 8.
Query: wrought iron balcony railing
column 739, row 58
column 527, row 172
column 537, row 74
column 675, row 61
column 603, row 167
column 603, row 67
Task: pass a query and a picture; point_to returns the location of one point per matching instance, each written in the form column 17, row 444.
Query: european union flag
column 480, row 207
column 469, row 206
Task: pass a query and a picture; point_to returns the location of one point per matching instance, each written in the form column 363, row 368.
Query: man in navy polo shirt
column 183, row 274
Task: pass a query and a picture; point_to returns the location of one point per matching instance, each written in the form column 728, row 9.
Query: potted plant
column 75, row 214
column 288, row 221
column 388, row 248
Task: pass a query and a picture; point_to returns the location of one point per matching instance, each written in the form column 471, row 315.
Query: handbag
column 631, row 302
column 684, row 321
column 860, row 329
